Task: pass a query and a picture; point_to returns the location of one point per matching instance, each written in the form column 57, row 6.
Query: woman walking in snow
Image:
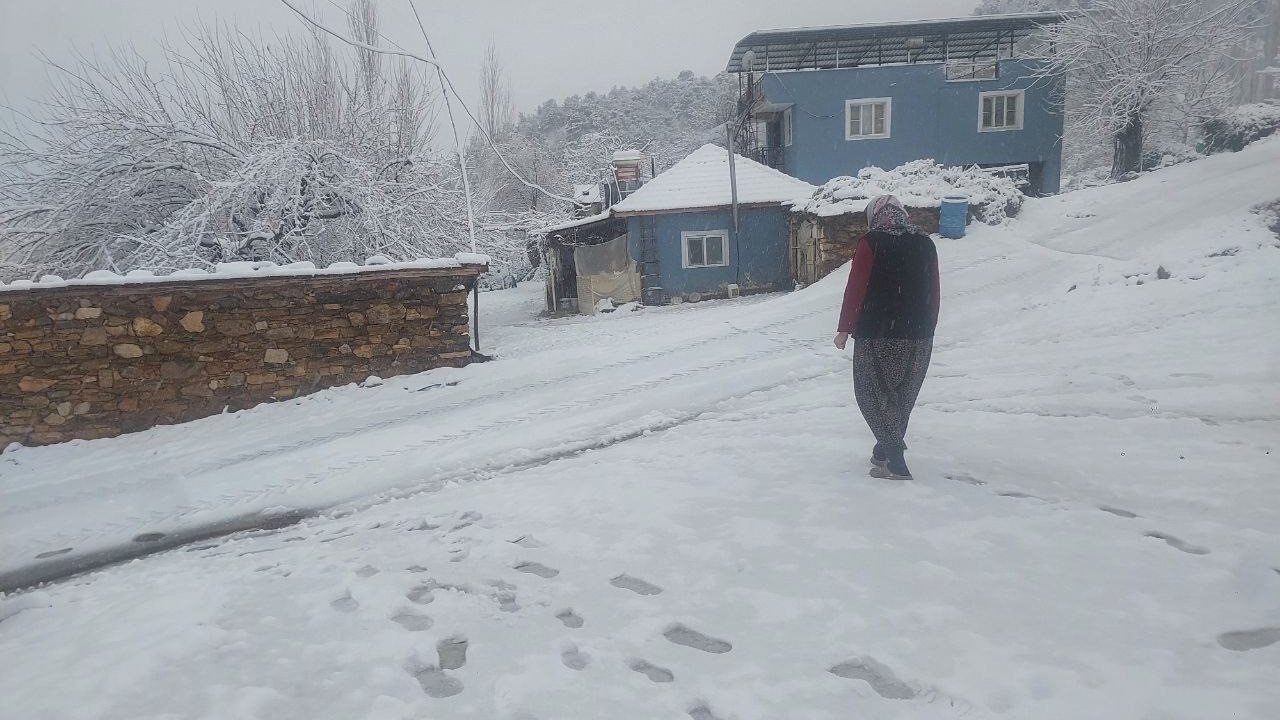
column 890, row 308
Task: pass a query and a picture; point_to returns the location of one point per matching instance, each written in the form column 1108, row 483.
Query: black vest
column 899, row 299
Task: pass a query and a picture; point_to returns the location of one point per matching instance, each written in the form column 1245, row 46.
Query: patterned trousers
column 887, row 375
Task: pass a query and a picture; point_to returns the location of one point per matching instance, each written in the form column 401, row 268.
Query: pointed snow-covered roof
column 701, row 180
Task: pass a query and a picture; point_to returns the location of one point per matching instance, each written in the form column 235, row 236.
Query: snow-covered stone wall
column 96, row 360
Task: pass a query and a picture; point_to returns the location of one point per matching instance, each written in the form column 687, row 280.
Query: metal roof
column 978, row 37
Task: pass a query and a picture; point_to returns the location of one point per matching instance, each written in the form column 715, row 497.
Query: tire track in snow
column 67, row 566
column 102, row 484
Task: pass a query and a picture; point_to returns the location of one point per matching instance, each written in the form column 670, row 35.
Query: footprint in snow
column 452, row 652
column 651, row 671
column 504, row 593
column 573, row 658
column 702, row 712
column 1243, row 640
column 877, row 675
column 538, row 569
column 1179, row 544
column 681, row 635
column 412, row 621
column 53, row 553
column 570, row 618
column 967, row 479
column 421, row 595
column 1018, row 495
column 466, row 520
column 346, row 603
column 367, row 571
column 437, row 683
column 1117, row 511
column 148, row 537
column 635, row 585
column 526, row 541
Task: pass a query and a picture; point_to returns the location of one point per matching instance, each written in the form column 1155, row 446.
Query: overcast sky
column 551, row 48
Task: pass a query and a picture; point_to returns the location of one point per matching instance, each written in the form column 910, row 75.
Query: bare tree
column 1143, row 64
column 233, row 149
column 497, row 114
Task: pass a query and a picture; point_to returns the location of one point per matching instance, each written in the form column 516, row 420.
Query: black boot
column 898, row 467
column 879, row 458
column 895, row 468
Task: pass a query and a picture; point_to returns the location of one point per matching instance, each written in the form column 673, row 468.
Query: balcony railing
column 771, row 156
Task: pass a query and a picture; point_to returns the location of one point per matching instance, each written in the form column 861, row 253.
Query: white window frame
column 888, row 117
column 788, row 128
column 1022, row 109
column 688, row 235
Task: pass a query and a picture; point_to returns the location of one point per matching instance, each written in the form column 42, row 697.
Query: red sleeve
column 856, row 290
column 936, row 297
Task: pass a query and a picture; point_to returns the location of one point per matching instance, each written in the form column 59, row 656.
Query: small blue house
column 682, row 230
column 699, row 230
column 819, row 103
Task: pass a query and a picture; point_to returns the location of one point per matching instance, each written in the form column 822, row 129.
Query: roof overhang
column 765, row 110
column 705, row 208
column 978, row 37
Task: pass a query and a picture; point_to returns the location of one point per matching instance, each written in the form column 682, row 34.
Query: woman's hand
column 842, row 339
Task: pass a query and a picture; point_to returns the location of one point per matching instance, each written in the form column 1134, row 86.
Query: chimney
column 628, row 170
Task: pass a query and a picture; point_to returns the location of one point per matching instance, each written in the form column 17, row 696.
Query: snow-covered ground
column 666, row 513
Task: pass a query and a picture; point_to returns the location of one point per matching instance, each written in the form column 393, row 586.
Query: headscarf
column 885, row 214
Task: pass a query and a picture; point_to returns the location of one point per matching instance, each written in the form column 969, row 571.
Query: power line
column 448, row 81
column 457, row 145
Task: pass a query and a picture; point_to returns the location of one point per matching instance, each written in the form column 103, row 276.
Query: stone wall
column 837, row 237
column 91, row 361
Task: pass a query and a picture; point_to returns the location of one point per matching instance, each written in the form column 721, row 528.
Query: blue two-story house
column 819, row 103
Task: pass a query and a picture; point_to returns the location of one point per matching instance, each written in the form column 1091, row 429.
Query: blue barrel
column 953, row 216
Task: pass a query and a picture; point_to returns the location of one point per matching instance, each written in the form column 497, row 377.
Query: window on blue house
column 788, row 130
column 706, row 248
column 1000, row 111
column 868, row 118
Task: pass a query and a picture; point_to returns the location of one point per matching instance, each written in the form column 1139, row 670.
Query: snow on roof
column 701, row 180
column 238, row 270
column 626, row 155
column 587, row 193
column 576, row 222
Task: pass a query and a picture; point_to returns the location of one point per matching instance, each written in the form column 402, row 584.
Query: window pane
column 694, row 248
column 855, row 119
column 1011, row 111
column 878, row 113
column 715, row 250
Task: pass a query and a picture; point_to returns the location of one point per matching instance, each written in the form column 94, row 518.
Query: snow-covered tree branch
column 234, row 148
column 1137, row 66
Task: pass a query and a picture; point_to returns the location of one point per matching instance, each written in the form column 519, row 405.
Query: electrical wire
column 457, row 145
column 448, row 81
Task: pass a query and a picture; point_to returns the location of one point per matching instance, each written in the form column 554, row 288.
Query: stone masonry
column 840, row 235
column 88, row 361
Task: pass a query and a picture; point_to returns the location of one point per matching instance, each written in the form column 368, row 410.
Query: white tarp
column 606, row 271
